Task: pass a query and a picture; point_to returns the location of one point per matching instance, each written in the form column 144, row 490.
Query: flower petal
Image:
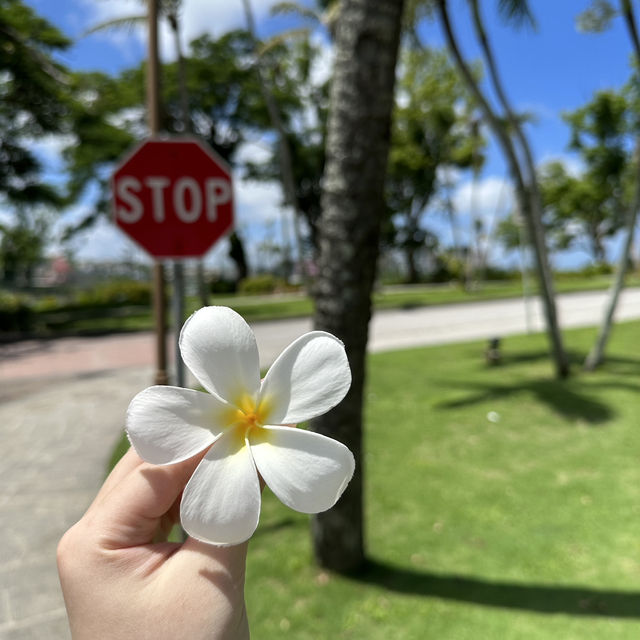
column 220, row 349
column 307, row 471
column 170, row 424
column 221, row 502
column 308, row 378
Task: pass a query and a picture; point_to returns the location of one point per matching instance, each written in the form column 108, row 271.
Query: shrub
column 448, row 268
column 600, row 269
column 588, row 271
column 496, row 273
column 265, row 283
column 46, row 304
column 16, row 314
column 116, row 294
column 222, row 286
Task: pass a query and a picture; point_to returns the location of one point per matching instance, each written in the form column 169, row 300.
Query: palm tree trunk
column 596, row 355
column 413, row 275
column 284, row 150
column 453, row 222
column 353, row 208
column 536, row 228
column 473, row 254
column 154, row 118
column 526, row 194
column 174, row 23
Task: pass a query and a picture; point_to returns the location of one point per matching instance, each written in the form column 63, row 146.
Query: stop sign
column 173, row 197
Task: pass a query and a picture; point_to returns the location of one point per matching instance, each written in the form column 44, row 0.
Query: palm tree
column 362, row 91
column 521, row 168
column 595, row 356
column 284, row 150
column 154, row 118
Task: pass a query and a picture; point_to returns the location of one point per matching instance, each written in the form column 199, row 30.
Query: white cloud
column 491, row 196
column 256, row 151
column 323, row 64
column 204, row 16
column 259, row 203
column 572, row 163
column 448, row 174
column 132, row 120
column 198, row 17
column 48, row 148
column 103, row 241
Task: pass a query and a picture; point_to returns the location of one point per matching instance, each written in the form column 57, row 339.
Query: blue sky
column 552, row 69
column 547, row 71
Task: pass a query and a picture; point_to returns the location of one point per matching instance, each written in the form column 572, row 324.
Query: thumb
column 136, row 498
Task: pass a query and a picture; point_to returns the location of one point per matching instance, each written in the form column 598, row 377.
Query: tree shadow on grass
column 508, row 357
column 550, row 599
column 560, row 395
column 620, row 366
column 611, row 364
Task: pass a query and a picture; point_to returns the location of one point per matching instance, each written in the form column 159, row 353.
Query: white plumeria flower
column 243, row 419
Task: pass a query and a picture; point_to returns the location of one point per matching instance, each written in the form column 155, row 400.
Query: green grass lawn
column 524, row 526
column 528, row 527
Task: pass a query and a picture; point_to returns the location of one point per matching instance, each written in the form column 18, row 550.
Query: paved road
column 61, row 411
column 41, row 360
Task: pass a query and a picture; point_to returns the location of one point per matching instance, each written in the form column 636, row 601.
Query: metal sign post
column 153, row 115
column 178, row 318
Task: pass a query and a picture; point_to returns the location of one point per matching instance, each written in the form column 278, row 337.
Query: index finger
column 129, row 508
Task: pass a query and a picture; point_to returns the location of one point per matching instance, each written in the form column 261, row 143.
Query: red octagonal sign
column 173, row 197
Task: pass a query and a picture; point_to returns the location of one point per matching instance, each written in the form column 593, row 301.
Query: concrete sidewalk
column 55, row 443
column 62, row 406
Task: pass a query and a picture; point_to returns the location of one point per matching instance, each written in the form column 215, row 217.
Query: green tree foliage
column 590, row 207
column 109, row 113
column 106, row 120
column 303, row 106
column 33, row 99
column 22, row 247
column 597, row 18
column 225, row 103
column 431, row 131
column 509, row 232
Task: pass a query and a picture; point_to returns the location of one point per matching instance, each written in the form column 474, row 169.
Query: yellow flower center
column 247, row 417
column 251, row 419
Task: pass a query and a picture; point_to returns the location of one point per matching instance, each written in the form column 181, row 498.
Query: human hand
column 121, row 579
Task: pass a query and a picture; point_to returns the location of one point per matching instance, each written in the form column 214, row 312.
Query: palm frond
column 516, row 13
column 127, row 22
column 331, row 15
column 299, row 10
column 282, row 38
